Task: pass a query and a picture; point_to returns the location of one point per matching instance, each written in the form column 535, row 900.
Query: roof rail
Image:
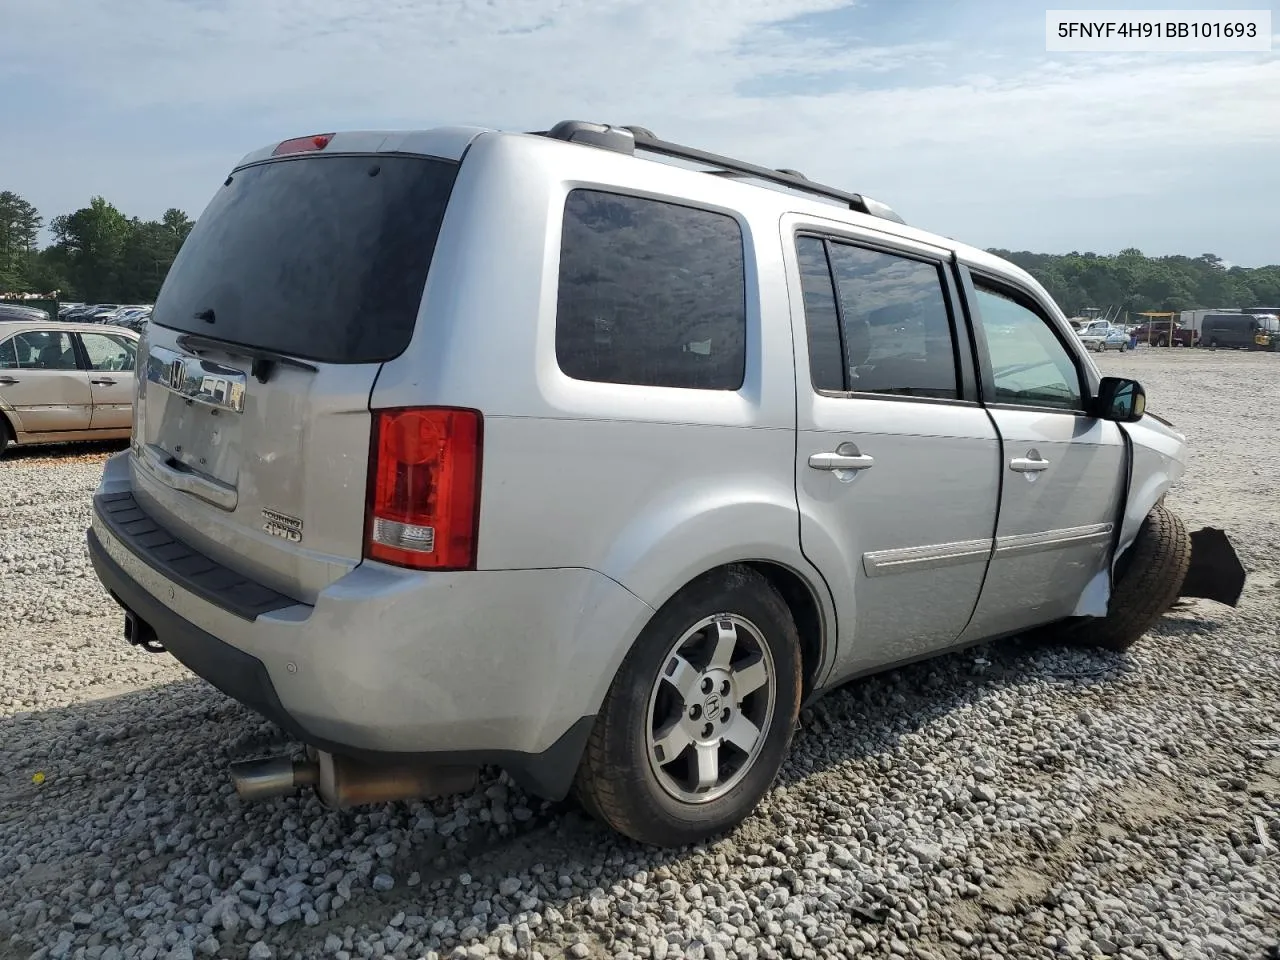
column 630, row 140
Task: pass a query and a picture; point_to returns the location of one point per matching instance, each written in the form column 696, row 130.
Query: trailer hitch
column 139, row 633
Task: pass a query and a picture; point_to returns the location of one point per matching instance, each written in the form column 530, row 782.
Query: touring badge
column 282, row 525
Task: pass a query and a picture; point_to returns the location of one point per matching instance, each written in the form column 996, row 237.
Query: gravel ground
column 1007, row 801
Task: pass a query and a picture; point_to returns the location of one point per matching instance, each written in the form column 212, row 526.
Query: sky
column 951, row 112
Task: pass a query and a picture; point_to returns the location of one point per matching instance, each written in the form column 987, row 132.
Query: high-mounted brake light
column 303, row 144
column 424, row 488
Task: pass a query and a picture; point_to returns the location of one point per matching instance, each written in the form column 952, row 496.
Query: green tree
column 94, row 239
column 177, row 223
column 19, row 230
column 1134, row 282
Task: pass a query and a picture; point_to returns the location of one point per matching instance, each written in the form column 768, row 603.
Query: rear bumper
column 491, row 667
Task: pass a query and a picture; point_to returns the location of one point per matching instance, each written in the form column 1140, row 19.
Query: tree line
column 100, row 255
column 1133, row 282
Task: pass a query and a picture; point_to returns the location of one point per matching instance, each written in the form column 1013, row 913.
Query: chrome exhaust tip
column 343, row 782
column 273, row 776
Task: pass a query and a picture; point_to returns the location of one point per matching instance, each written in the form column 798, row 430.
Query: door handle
column 840, row 461
column 1031, row 464
column 104, row 382
column 7, row 381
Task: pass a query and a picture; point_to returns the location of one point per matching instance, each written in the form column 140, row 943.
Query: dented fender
column 1157, row 460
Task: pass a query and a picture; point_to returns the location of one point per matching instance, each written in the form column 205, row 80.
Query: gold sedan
column 63, row 381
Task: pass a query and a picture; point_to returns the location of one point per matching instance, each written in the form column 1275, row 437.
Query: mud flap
column 1216, row 573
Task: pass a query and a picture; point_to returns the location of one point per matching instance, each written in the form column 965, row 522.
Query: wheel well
column 804, row 608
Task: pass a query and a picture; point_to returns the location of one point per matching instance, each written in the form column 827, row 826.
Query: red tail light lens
column 303, row 144
column 424, row 488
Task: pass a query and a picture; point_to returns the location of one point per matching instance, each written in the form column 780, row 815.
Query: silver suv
column 594, row 457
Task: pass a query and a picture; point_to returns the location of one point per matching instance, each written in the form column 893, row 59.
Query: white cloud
column 1000, row 159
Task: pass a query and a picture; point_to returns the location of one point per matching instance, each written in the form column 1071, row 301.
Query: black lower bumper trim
column 245, row 678
column 1216, row 572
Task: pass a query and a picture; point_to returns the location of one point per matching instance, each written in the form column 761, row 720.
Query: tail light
column 424, row 488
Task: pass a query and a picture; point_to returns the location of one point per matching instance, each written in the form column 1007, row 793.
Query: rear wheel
column 1213, row 342
column 700, row 716
column 6, row 434
column 1148, row 578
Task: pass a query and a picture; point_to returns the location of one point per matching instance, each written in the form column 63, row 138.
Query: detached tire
column 1147, row 582
column 700, row 716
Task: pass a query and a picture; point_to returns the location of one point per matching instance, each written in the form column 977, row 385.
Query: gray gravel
column 1007, row 801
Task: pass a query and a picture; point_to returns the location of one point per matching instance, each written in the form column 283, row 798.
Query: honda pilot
column 593, row 456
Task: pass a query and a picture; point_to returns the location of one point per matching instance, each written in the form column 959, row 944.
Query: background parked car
column 13, row 311
column 61, row 382
column 1101, row 335
column 1157, row 333
column 1235, row 330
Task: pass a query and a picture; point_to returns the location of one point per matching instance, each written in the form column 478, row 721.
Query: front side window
column 44, row 350
column 107, row 352
column 651, row 293
column 894, row 325
column 1031, row 367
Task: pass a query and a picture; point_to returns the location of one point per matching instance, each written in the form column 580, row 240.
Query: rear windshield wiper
column 264, row 361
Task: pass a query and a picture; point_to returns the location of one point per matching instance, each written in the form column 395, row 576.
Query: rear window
column 323, row 258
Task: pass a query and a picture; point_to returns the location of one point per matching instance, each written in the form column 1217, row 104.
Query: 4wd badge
column 282, row 525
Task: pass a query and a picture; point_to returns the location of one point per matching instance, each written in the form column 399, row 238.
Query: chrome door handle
column 104, row 382
column 1028, row 465
column 840, row 461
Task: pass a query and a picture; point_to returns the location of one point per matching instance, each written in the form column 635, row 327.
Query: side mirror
column 1120, row 399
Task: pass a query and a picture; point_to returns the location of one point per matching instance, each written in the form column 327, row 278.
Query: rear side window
column 8, row 356
column 106, row 352
column 877, row 322
column 323, row 258
column 651, row 293
column 821, row 317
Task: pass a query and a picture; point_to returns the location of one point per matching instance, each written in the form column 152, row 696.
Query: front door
column 42, row 384
column 111, row 378
column 1063, row 470
column 897, row 467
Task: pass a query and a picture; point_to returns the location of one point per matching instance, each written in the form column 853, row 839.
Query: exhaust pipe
column 272, row 776
column 343, row 782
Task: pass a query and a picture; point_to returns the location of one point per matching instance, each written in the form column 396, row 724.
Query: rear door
column 41, row 381
column 897, row 467
column 252, row 432
column 1063, row 470
column 111, row 358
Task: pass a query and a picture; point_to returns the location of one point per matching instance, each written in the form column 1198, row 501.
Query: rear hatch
column 252, row 428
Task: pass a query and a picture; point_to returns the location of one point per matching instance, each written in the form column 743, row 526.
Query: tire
column 623, row 779
column 1162, row 342
column 1213, row 343
column 6, row 435
column 1148, row 578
